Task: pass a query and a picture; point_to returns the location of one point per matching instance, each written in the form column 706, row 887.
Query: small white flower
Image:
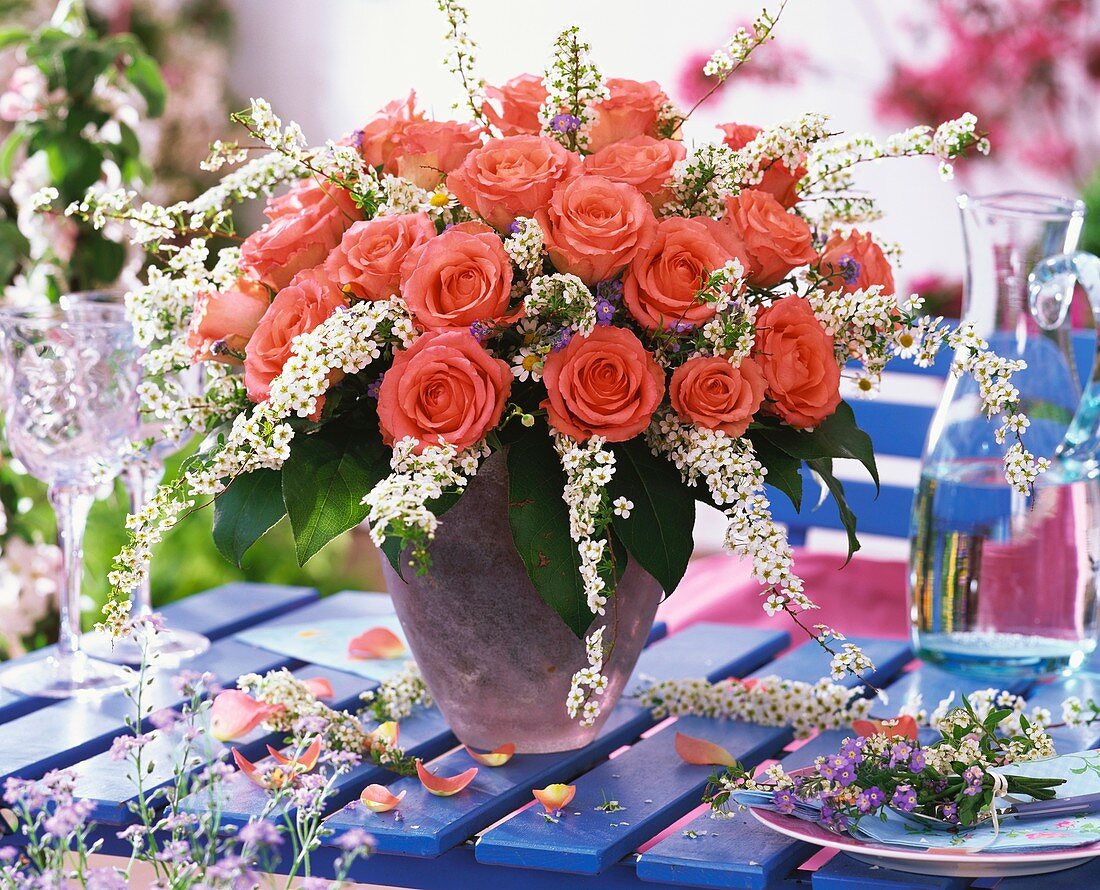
column 622, row 507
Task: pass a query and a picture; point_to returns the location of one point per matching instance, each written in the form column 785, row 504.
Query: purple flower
column 845, row 775
column 916, row 761
column 561, row 339
column 973, row 777
column 105, row 879
column 682, row 327
column 832, row 766
column 513, row 227
column 354, row 839
column 831, row 818
column 357, row 139
column 604, row 312
column 951, row 812
column 124, row 745
column 610, row 289
column 373, row 387
column 904, row 799
column 852, row 750
column 312, row 724
column 7, row 854
column 67, row 818
column 173, row 850
column 871, row 799
column 164, row 718
column 784, row 800
column 260, row 834
column 481, row 331
column 899, row 754
column 849, row 268
column 565, row 123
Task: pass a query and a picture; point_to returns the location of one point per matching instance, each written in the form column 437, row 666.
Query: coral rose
column 643, row 162
column 367, row 262
column 799, row 364
column 511, row 177
column 223, row 321
column 661, row 284
column 429, row 150
column 520, row 100
column 297, row 309
column 305, row 225
column 605, row 384
column 457, row 278
column 631, row 109
column 779, row 180
column 379, row 137
column 855, row 262
column 710, row 392
column 445, row 386
column 773, row 241
column 594, row 227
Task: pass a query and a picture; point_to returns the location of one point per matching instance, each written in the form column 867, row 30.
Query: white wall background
column 329, row 64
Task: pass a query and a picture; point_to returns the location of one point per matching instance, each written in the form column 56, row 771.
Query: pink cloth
column 867, row 597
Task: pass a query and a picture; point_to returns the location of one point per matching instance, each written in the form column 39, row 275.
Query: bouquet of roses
column 636, row 320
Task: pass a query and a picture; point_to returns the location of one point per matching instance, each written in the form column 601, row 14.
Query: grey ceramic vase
column 497, row 659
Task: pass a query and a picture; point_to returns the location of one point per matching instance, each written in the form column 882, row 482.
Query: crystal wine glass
column 70, row 412
column 142, row 476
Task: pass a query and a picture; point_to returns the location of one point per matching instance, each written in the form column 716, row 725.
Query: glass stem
column 142, row 479
column 71, row 505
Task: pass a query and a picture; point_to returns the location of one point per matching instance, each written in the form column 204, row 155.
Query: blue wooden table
column 490, row 834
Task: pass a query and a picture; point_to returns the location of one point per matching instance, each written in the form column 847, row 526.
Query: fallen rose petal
column 702, row 752
column 235, row 713
column 554, row 797
column 305, row 762
column 895, row 727
column 496, row 757
column 378, row 642
column 385, row 735
column 320, row 687
column 441, row 786
column 379, row 799
column 245, row 765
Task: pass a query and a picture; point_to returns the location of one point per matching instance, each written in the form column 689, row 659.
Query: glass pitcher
column 1002, row 586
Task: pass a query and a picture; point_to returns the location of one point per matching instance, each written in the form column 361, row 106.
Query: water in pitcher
column 1003, row 585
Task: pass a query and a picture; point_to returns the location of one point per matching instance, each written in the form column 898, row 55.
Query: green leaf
column 97, row 261
column 74, row 164
column 540, row 527
column 836, row 437
column 13, row 249
column 244, row 512
column 784, row 471
column 12, row 36
column 10, row 149
column 658, row 533
column 392, row 548
column 824, row 468
column 144, row 74
column 327, row 476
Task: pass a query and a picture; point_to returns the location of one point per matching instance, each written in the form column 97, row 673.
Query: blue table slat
column 810, row 662
column 217, row 613
column 733, row 852
column 1081, row 877
column 108, row 783
column 844, row 873
column 429, row 825
column 75, row 729
column 650, row 781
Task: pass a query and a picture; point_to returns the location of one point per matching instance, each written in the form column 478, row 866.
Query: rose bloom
column 855, row 262
column 297, row 309
column 457, row 278
column 520, row 100
column 773, row 241
column 661, row 283
column 799, row 364
column 710, row 392
column 306, row 224
column 444, row 386
column 381, row 135
column 429, row 150
column 367, row 262
column 605, row 384
column 594, row 227
column 779, row 180
column 631, row 110
column 643, row 162
column 228, row 317
column 511, row 177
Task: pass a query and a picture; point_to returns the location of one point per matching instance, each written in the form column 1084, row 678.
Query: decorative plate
column 933, row 860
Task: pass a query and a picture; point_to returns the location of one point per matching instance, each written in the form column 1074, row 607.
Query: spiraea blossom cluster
column 563, row 270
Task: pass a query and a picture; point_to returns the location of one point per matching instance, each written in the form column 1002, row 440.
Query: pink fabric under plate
column 866, row 597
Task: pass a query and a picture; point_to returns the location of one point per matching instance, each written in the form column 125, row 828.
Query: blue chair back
column 897, row 421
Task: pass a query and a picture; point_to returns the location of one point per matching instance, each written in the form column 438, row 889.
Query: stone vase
column 497, row 659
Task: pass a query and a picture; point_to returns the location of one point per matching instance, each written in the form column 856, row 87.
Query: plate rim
column 770, row 820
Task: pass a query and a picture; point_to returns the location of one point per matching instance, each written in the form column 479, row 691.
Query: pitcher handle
column 1050, row 291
